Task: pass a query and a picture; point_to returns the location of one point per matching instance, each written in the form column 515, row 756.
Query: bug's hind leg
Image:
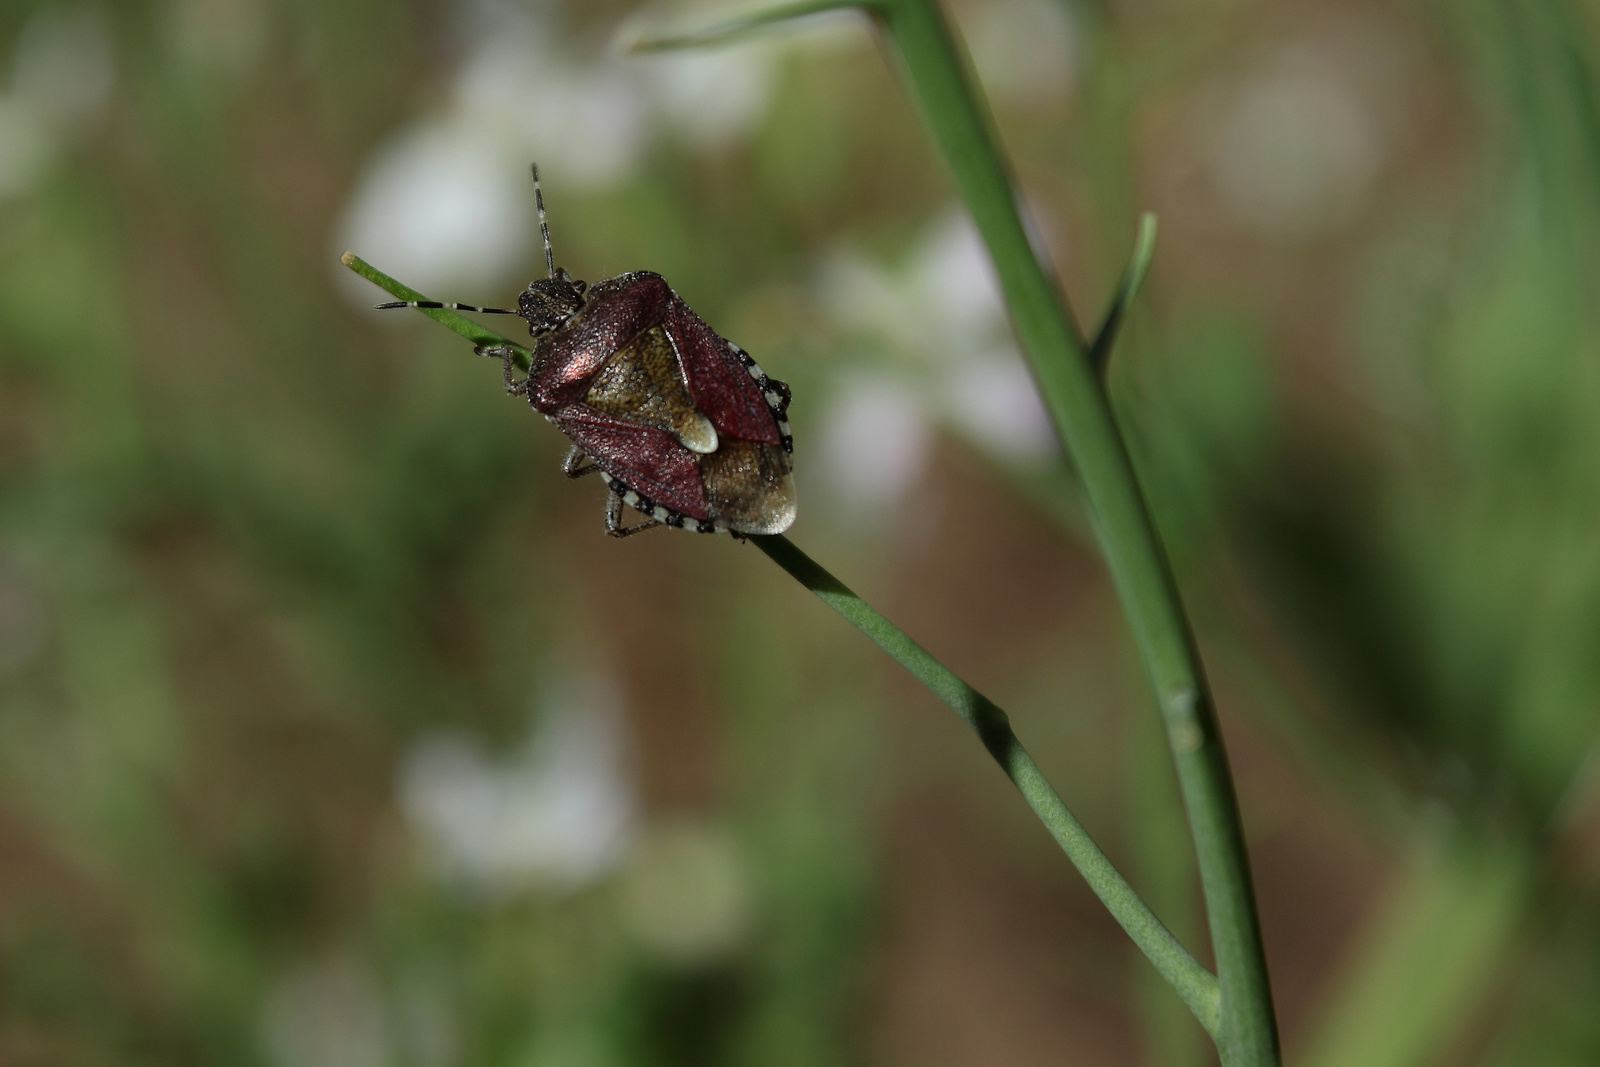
column 614, row 525
column 574, row 467
column 507, row 357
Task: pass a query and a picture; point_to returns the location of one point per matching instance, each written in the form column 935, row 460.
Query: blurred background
column 334, row 731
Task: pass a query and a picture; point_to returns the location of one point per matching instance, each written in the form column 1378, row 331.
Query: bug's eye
column 581, row 287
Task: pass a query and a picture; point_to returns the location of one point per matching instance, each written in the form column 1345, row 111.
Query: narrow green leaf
column 450, row 320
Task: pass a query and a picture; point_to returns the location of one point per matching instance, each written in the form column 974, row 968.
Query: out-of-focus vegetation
column 334, row 731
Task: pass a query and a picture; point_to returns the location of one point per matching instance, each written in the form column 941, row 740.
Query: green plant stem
column 936, row 76
column 1194, row 984
column 478, row 335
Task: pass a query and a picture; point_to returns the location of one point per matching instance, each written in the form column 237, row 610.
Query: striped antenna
column 391, row 305
column 544, row 227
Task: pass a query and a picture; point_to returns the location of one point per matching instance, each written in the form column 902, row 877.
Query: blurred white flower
column 716, row 96
column 954, row 278
column 434, row 210
column 1297, row 153
column 327, row 1013
column 993, row 399
column 941, row 313
column 558, row 814
column 522, row 94
column 944, row 299
column 592, row 129
column 517, row 93
column 874, row 443
column 861, row 296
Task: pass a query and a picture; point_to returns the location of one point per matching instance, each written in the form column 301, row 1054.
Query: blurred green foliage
column 259, row 547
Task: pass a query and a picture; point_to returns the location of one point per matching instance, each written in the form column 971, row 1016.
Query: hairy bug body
column 679, row 422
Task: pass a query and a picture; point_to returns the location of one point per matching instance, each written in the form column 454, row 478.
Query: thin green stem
column 478, row 335
column 936, row 76
column 1194, row 984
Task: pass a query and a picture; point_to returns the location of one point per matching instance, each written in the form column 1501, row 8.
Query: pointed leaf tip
column 1144, row 247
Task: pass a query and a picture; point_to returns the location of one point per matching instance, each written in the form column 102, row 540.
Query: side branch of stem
column 1194, row 984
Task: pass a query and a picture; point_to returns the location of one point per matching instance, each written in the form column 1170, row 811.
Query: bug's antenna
column 437, row 304
column 544, row 227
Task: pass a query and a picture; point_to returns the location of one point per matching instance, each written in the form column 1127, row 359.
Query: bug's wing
column 641, row 382
column 723, row 389
column 648, row 460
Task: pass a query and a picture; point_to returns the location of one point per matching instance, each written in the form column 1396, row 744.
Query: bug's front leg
column 574, row 467
column 614, row 525
column 507, row 357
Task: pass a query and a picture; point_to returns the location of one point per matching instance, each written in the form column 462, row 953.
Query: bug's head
column 548, row 303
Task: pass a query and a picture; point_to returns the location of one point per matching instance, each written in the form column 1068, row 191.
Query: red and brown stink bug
column 679, row 422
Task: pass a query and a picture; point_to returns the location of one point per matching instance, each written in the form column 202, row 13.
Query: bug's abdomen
column 748, row 485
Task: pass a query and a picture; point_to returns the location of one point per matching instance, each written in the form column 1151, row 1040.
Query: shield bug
column 679, row 422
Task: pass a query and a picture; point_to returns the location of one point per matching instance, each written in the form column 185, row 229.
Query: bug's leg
column 614, row 525
column 507, row 357
column 574, row 467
